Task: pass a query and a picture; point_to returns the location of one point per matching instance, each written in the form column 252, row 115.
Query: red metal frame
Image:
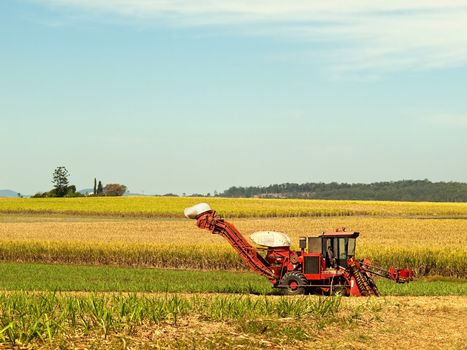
column 356, row 278
column 247, row 252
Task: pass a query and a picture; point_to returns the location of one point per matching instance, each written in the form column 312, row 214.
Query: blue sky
column 197, row 96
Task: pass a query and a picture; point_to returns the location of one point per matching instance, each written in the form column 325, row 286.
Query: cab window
column 342, row 248
column 351, row 247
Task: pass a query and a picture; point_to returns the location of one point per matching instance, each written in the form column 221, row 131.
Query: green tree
column 95, row 187
column 60, row 181
column 100, row 189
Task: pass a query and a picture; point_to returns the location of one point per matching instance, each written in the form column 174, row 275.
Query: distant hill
column 405, row 190
column 135, row 194
column 8, row 193
column 86, row 191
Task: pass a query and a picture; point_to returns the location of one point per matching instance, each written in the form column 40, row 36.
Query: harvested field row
column 396, row 232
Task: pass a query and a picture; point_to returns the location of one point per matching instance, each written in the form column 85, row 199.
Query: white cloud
column 361, row 35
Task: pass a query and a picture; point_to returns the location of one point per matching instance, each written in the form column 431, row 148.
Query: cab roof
column 350, row 234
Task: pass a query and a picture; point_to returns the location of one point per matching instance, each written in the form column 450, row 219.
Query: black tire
column 294, row 283
column 341, row 288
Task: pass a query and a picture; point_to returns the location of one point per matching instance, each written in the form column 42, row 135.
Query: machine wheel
column 341, row 289
column 295, row 282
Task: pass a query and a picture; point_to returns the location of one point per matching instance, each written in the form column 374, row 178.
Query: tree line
column 63, row 188
column 405, row 190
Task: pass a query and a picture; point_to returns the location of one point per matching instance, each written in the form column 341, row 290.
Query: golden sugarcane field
column 151, row 231
column 143, row 246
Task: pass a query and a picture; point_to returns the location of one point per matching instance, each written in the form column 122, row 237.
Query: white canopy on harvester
column 271, row 239
column 195, row 211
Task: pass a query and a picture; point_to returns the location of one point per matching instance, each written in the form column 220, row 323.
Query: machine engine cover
column 195, row 211
column 271, row 239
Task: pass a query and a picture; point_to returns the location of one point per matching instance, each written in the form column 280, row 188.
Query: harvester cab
column 334, row 247
column 324, row 264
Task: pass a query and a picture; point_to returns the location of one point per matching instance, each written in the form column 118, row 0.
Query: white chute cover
column 271, row 239
column 196, row 210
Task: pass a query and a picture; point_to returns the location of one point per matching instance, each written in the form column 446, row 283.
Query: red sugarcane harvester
column 325, row 264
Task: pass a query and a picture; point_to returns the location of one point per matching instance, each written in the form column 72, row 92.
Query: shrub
column 114, row 190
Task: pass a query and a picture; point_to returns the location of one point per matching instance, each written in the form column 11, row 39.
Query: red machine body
column 325, row 264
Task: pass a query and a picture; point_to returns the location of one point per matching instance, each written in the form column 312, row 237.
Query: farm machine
column 325, row 264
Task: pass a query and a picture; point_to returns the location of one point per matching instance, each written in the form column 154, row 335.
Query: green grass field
column 40, row 277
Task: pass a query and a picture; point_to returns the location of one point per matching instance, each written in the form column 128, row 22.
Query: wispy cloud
column 360, row 36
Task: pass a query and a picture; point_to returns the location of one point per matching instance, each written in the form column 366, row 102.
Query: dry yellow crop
column 400, row 232
column 151, row 231
column 229, row 207
column 431, row 246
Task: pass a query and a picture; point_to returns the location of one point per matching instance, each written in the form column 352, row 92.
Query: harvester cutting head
column 197, row 210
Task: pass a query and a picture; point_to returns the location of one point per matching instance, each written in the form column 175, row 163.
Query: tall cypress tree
column 100, row 189
column 95, row 187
